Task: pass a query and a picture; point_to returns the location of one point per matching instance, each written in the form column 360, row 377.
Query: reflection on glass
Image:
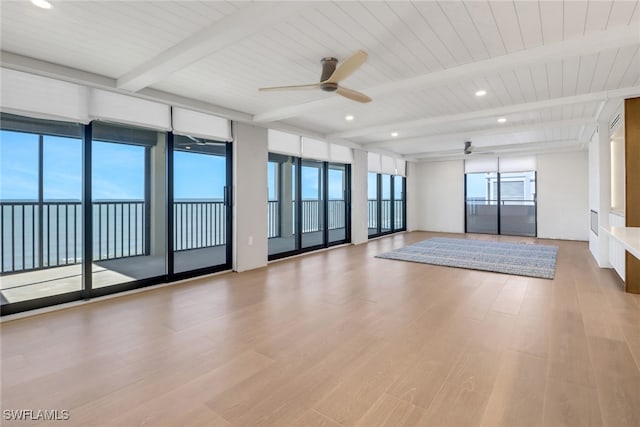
column 398, row 202
column 385, row 203
column 281, row 204
column 199, row 209
column 372, row 203
column 482, row 202
column 40, row 210
column 518, row 203
column 312, row 214
column 124, row 248
column 337, row 204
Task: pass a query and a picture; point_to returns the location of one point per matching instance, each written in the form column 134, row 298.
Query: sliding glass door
column 40, row 210
column 337, row 193
column 386, row 205
column 482, row 202
column 518, row 203
column 399, row 203
column 124, row 247
column 201, row 207
column 308, row 205
column 501, row 203
column 373, row 211
column 282, row 207
column 89, row 210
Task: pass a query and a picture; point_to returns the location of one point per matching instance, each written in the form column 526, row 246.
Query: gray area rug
column 511, row 258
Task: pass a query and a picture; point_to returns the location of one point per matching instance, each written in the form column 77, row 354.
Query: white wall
column 250, row 159
column 439, row 194
column 563, row 196
column 359, row 231
column 413, row 216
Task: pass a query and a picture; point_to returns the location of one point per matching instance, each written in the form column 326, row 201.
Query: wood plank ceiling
column 552, row 69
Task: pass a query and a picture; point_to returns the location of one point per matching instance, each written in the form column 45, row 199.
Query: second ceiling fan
column 332, row 74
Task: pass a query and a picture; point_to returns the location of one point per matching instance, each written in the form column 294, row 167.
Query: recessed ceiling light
column 502, row 120
column 44, row 4
column 481, row 92
column 394, row 134
column 349, row 118
column 187, row 147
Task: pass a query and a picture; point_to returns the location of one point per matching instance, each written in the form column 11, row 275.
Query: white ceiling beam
column 500, row 111
column 475, row 133
column 586, row 45
column 219, row 35
column 530, row 147
column 60, row 72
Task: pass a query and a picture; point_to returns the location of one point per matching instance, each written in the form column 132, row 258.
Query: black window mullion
column 498, row 191
column 347, row 203
column 87, row 213
column 229, row 204
column 298, row 210
column 379, row 204
column 404, row 203
column 40, row 200
column 393, row 203
column 169, row 208
column 325, row 204
column 147, row 201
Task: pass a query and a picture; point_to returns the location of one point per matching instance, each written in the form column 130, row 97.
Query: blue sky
column 310, row 187
column 118, row 171
column 477, row 185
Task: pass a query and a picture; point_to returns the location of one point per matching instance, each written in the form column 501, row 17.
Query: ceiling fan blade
column 294, row 87
column 353, row 94
column 348, row 66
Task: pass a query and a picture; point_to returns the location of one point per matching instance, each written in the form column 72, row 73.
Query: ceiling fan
column 469, row 149
column 332, row 74
column 190, row 142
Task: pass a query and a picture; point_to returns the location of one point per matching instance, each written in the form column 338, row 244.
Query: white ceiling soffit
column 221, row 34
column 471, row 134
column 540, row 62
column 527, row 148
column 588, row 44
column 510, row 109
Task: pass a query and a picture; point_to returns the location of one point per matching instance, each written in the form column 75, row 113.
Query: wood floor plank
column 391, row 412
column 510, row 297
column 570, row 404
column 341, row 338
column 518, row 394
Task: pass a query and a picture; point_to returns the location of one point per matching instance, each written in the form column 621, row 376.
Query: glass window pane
column 372, row 203
column 337, row 205
column 312, row 215
column 518, row 205
column 41, row 238
column 128, row 218
column 399, row 202
column 199, row 211
column 385, row 220
column 482, row 203
column 281, row 204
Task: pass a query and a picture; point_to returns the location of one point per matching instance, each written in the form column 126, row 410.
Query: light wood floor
column 341, row 338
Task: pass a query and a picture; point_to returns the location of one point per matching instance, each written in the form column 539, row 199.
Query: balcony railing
column 35, row 236
column 386, row 220
column 311, row 217
column 199, row 224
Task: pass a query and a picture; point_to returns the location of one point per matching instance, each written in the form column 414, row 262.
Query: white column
column 250, row 157
column 359, row 170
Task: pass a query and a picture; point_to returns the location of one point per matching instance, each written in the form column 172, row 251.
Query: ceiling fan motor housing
column 328, row 67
